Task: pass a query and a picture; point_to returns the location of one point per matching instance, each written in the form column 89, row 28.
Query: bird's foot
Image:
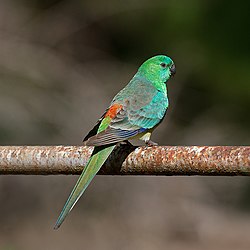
column 150, row 143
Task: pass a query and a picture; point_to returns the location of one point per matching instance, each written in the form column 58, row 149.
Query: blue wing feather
column 111, row 136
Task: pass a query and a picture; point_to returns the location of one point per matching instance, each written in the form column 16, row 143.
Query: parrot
column 132, row 114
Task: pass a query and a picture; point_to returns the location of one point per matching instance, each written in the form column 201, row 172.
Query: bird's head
column 158, row 70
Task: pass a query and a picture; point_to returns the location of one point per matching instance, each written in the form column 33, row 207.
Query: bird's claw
column 151, row 143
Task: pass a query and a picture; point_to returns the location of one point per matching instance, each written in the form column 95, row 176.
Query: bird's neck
column 156, row 82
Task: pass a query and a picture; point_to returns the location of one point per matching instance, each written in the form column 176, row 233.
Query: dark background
column 61, row 62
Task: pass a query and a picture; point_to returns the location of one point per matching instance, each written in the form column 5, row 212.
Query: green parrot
column 133, row 113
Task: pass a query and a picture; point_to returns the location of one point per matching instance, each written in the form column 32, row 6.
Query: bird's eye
column 164, row 65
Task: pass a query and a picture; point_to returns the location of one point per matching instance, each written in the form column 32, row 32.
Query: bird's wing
column 103, row 133
column 132, row 111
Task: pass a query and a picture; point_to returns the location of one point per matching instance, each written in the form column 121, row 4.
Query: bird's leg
column 151, row 143
column 146, row 138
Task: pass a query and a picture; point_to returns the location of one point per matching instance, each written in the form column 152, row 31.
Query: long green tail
column 99, row 156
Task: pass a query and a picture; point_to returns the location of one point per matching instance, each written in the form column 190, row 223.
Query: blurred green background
column 61, row 62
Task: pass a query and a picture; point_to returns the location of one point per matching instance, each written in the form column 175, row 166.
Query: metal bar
column 128, row 160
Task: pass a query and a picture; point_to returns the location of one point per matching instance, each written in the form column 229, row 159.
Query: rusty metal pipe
column 128, row 160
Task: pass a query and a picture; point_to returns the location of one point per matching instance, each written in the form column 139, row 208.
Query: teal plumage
column 133, row 113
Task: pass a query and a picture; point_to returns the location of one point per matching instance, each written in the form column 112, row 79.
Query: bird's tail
column 99, row 156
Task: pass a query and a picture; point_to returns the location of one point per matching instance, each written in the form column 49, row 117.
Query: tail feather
column 99, row 156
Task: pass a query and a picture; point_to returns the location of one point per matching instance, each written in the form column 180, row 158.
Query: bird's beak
column 172, row 70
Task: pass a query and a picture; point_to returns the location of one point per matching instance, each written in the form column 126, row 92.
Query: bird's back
column 145, row 105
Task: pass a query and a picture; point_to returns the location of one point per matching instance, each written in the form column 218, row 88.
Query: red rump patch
column 113, row 110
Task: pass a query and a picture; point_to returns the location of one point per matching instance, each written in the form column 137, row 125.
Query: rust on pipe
column 128, row 160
